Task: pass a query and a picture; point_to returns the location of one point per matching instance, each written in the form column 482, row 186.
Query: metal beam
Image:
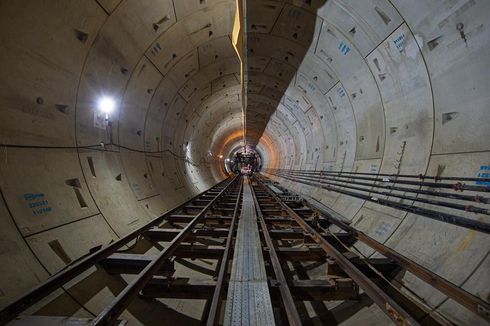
column 110, row 313
column 389, row 306
column 287, row 298
column 218, row 291
column 466, row 299
column 302, row 290
column 461, row 221
column 10, row 311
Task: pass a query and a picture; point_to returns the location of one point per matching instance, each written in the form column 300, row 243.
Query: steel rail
column 472, row 198
column 466, row 208
column 420, row 176
column 396, row 180
column 109, row 315
column 218, row 291
column 432, row 214
column 287, row 298
column 389, row 306
column 10, row 311
column 466, row 299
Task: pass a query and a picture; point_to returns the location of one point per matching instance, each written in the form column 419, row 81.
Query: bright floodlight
column 107, row 105
column 221, row 156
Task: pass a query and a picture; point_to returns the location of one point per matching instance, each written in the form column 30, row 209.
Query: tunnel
column 114, row 112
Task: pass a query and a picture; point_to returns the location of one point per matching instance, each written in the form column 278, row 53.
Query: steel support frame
column 287, row 299
column 466, row 299
column 218, row 292
column 389, row 306
column 56, row 281
column 109, row 315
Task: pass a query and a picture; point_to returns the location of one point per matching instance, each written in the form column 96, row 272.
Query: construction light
column 106, row 105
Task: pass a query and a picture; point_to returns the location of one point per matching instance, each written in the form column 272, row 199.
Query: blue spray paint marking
column 343, row 48
column 383, row 228
column 311, row 86
column 484, row 175
column 294, row 13
column 38, row 203
column 136, row 188
column 400, row 43
column 341, row 92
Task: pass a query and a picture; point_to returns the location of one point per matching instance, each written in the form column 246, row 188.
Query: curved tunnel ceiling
column 387, row 86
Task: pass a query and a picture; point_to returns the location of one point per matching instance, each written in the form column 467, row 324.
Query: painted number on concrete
column 311, row 86
column 38, row 203
column 400, row 42
column 136, row 188
column 341, row 92
column 373, row 168
column 484, row 173
column 383, row 228
column 344, row 48
column 293, row 13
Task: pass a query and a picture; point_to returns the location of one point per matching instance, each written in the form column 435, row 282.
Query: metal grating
column 248, row 300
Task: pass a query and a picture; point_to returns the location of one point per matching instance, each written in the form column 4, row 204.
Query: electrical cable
column 419, row 176
column 102, row 147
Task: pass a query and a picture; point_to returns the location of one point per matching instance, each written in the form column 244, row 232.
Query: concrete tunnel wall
column 388, row 86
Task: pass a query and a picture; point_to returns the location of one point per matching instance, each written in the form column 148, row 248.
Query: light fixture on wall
column 104, row 108
column 106, row 105
column 221, row 156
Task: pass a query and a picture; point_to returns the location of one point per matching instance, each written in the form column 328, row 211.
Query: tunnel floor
column 275, row 261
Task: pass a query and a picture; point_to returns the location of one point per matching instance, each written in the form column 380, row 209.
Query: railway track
column 275, row 261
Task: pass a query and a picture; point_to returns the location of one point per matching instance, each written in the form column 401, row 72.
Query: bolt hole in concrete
column 81, row 36
column 446, row 117
column 62, row 108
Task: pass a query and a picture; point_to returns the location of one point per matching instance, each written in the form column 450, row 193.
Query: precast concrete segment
column 248, row 300
column 388, row 86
